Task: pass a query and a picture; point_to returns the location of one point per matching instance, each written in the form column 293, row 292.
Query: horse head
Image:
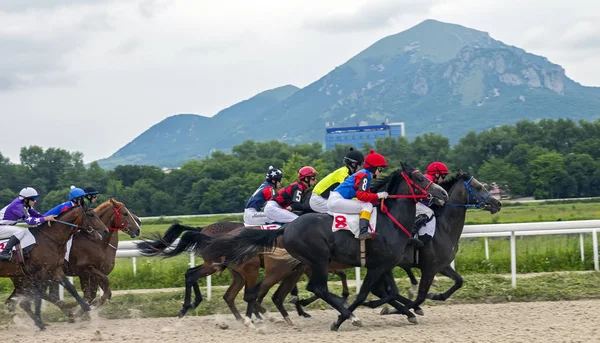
column 466, row 191
column 118, row 217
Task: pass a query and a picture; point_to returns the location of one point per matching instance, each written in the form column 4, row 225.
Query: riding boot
column 365, row 217
column 6, row 253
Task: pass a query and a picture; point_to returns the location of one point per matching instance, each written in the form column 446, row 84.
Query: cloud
column 370, row 15
column 149, row 8
column 29, row 62
column 27, row 5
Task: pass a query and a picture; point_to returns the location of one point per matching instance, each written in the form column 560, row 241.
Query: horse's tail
column 160, row 243
column 246, row 244
column 190, row 240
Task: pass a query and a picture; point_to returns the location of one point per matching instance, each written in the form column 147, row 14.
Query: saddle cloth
column 27, row 241
column 343, row 221
column 68, row 248
column 270, row 227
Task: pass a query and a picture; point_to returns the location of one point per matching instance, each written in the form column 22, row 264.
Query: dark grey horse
column 464, row 191
column 310, row 239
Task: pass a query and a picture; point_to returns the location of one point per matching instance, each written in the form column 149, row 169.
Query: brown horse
column 45, row 260
column 92, row 261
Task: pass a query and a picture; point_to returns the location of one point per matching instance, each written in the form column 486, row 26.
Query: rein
column 478, row 203
column 413, row 196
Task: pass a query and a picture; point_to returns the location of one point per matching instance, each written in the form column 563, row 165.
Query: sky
column 91, row 75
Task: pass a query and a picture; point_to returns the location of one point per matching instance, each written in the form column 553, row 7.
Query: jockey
column 76, row 196
column 20, row 209
column 288, row 199
column 357, row 186
column 436, row 172
column 264, row 193
column 318, row 200
column 91, row 194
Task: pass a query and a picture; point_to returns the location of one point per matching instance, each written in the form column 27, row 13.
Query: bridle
column 416, row 197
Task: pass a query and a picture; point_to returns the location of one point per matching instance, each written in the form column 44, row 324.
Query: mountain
column 435, row 77
column 186, row 136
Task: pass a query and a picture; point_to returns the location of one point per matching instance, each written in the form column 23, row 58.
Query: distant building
column 357, row 135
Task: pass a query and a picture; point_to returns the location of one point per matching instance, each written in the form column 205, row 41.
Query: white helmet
column 28, row 192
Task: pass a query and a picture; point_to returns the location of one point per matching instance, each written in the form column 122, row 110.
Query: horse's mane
column 450, row 181
column 391, row 181
column 104, row 206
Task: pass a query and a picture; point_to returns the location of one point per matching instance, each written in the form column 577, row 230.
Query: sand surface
column 575, row 321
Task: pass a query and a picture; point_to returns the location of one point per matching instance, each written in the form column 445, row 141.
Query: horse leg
column 11, row 302
column 458, row 282
column 86, row 287
column 192, row 275
column 287, row 284
column 54, row 298
column 426, row 280
column 276, row 270
column 95, row 274
column 37, row 303
column 344, row 278
column 412, row 292
column 386, row 286
column 71, row 289
column 237, row 283
column 318, row 285
column 249, row 271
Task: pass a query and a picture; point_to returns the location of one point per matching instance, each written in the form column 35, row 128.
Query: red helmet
column 437, row 168
column 306, row 172
column 374, row 160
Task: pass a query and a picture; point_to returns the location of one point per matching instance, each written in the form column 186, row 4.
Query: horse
column 464, row 191
column 45, row 260
column 242, row 275
column 92, row 261
column 310, row 239
column 159, row 246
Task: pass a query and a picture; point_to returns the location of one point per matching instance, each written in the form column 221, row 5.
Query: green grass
column 476, row 289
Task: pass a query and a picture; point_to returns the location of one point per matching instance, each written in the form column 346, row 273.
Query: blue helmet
column 76, row 193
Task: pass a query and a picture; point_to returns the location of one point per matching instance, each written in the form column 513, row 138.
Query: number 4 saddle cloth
column 343, row 221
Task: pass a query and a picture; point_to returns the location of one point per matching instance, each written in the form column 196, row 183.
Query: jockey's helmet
column 374, row 160
column 306, row 172
column 437, row 168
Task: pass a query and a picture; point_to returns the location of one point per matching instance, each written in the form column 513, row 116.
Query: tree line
column 544, row 159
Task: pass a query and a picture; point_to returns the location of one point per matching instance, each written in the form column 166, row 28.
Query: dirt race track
column 575, row 321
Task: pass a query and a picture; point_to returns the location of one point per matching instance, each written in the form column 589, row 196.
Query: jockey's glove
column 382, row 195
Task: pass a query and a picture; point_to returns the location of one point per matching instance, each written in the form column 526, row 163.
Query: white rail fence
column 127, row 249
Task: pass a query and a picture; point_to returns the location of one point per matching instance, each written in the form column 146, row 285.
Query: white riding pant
column 10, row 230
column 338, row 204
column 429, row 228
column 275, row 213
column 254, row 217
column 318, row 203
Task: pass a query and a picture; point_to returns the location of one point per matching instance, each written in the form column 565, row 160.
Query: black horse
column 464, row 191
column 310, row 239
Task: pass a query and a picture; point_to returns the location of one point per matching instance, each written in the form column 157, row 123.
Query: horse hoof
column 420, row 312
column 248, row 323
column 305, row 315
column 413, row 320
column 357, row 322
column 384, row 311
column 334, row 327
column 288, row 321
